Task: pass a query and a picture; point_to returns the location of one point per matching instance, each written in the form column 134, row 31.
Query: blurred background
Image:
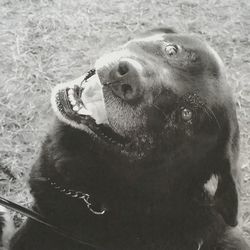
column 45, row 42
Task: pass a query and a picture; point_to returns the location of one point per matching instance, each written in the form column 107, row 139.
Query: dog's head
column 161, row 96
column 160, row 88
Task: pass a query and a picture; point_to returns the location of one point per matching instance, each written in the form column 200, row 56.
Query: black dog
column 158, row 160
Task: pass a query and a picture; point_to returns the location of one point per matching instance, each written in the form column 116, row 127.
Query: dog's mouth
column 80, row 103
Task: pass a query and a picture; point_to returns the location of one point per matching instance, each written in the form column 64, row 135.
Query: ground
column 45, row 42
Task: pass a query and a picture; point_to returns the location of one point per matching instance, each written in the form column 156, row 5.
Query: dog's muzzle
column 122, row 75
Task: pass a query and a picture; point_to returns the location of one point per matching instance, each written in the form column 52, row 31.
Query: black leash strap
column 37, row 217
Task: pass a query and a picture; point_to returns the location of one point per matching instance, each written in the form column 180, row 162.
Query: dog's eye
column 171, row 49
column 186, row 114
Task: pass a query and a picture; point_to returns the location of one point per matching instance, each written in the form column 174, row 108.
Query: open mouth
column 80, row 103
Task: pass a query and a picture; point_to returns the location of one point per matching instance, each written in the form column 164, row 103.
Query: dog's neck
column 125, row 201
column 137, row 214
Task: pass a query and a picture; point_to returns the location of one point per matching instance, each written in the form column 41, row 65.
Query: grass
column 45, row 42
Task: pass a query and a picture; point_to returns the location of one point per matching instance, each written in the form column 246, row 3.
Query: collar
column 78, row 195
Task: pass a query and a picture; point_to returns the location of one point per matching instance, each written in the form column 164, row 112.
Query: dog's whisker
column 212, row 115
column 158, row 108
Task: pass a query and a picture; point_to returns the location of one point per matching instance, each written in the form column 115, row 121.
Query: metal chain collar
column 79, row 195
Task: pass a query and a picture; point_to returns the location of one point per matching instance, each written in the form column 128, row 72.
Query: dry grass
column 45, row 42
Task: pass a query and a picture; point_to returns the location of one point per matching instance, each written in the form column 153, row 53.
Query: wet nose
column 123, row 69
column 125, row 79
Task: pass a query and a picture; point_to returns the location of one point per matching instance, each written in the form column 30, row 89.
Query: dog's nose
column 123, row 69
column 124, row 79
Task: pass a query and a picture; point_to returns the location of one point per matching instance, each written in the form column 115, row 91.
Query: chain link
column 77, row 195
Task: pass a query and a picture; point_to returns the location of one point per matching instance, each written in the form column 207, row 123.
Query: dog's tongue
column 92, row 98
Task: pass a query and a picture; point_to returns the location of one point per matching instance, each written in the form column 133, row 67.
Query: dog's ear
column 226, row 196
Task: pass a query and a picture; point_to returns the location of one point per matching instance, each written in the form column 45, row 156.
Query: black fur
column 153, row 189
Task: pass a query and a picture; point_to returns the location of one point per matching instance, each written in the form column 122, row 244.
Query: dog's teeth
column 71, row 92
column 71, row 97
column 76, row 108
column 73, row 102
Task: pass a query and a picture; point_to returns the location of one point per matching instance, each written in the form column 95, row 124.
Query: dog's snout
column 125, row 79
column 123, row 75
